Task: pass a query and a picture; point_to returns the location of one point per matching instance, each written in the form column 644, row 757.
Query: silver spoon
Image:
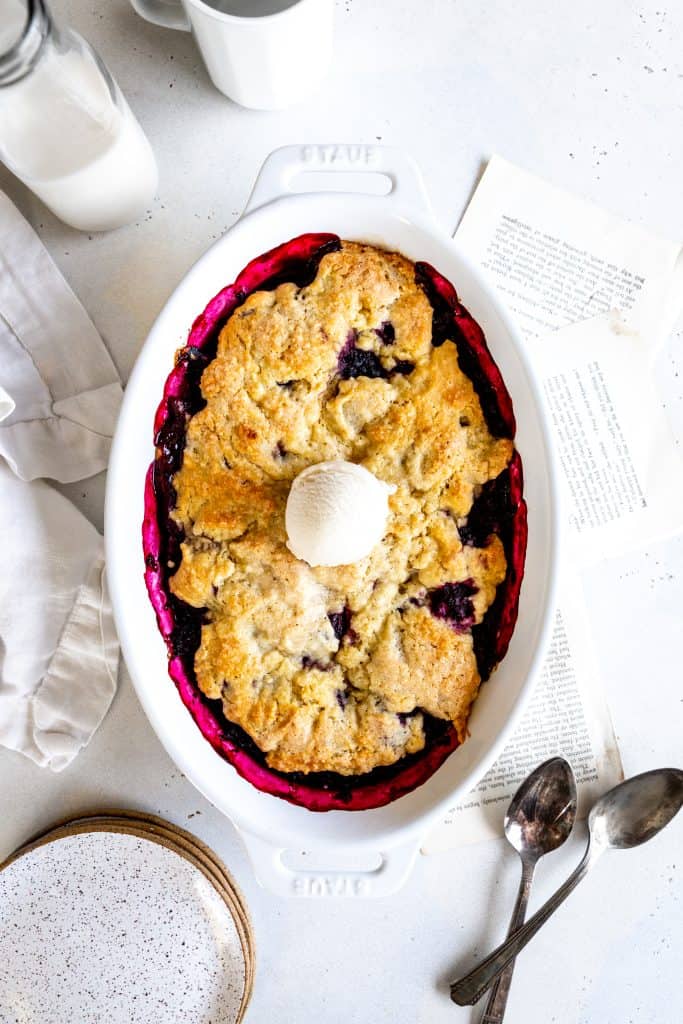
column 539, row 820
column 626, row 816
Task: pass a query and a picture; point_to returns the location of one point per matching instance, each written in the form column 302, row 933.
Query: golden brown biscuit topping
column 330, row 669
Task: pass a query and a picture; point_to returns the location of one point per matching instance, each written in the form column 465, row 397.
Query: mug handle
column 166, row 13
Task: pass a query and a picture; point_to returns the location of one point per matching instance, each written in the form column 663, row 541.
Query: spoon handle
column 468, row 989
column 495, row 1008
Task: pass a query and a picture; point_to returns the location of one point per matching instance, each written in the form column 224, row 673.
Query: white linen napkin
column 55, row 369
column 59, row 397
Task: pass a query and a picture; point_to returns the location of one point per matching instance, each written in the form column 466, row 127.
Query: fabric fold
column 59, row 399
column 84, row 665
column 55, row 367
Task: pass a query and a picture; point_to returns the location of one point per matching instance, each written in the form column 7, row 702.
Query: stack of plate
column 125, row 918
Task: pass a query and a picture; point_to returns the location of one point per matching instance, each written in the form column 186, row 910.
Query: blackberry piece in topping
column 453, row 602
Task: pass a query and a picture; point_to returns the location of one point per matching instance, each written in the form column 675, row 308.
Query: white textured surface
column 591, row 99
column 110, row 927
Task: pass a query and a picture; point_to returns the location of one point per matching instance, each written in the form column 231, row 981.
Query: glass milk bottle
column 65, row 128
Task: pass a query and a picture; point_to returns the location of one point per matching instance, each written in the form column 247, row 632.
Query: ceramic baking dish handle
column 277, row 877
column 289, row 166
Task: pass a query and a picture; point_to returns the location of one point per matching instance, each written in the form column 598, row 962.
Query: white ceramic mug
column 263, row 54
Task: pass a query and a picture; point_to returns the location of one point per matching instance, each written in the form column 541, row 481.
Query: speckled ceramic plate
column 116, row 927
column 169, row 834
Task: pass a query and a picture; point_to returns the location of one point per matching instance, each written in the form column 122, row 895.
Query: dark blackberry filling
column 308, row 662
column 341, row 622
column 490, row 511
column 357, row 362
column 187, row 632
column 386, row 333
column 491, row 636
column 180, row 624
column 453, row 602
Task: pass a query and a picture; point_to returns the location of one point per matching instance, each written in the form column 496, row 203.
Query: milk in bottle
column 65, row 128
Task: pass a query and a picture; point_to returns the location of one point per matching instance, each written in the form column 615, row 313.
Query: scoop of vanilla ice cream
column 336, row 513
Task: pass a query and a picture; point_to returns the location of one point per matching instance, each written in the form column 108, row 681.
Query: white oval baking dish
column 400, row 220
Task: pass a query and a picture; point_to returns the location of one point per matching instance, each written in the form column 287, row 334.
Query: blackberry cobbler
column 340, row 686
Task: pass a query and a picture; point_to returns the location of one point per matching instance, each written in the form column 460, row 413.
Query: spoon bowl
column 542, row 812
column 637, row 810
